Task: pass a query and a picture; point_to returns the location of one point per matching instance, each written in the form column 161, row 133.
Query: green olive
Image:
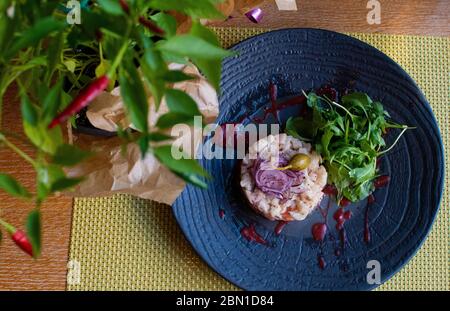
column 300, row 162
column 297, row 163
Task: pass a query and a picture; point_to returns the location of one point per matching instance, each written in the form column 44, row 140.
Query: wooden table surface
column 19, row 272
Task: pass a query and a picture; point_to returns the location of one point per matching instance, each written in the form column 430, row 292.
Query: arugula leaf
column 349, row 136
column 301, row 128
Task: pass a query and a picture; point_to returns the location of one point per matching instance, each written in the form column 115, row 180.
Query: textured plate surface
column 297, row 59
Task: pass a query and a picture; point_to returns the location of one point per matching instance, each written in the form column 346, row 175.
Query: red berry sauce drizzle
column 280, row 226
column 250, row 234
column 318, row 230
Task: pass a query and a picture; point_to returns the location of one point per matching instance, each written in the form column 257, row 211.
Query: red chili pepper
column 142, row 20
column 20, row 238
column 124, row 6
column 98, row 35
column 81, row 101
column 150, row 26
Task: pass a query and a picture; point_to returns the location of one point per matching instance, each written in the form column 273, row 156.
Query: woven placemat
column 126, row 243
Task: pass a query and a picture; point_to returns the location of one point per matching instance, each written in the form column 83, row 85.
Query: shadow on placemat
column 126, row 243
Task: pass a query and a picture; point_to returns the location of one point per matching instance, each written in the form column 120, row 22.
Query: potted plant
column 60, row 68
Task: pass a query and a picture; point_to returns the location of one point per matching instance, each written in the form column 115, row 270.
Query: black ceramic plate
column 399, row 220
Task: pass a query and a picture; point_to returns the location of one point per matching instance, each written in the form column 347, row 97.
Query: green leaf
column 152, row 57
column 143, row 143
column 33, row 229
column 52, row 102
column 34, row 34
column 210, row 68
column 364, row 173
column 12, row 186
column 174, row 76
column 301, row 128
column 46, row 176
column 7, row 28
column 312, row 100
column 193, row 179
column 180, row 102
column 43, row 138
column 70, row 65
column 183, row 165
column 202, row 32
column 134, row 96
column 170, row 119
column 166, row 22
column 360, row 101
column 55, row 50
column 65, row 183
column 193, row 47
column 69, row 155
column 174, row 58
column 66, row 99
column 101, row 69
column 111, row 6
column 30, row 112
column 194, row 8
column 158, row 137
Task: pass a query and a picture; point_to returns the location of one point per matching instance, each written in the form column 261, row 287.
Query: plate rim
column 419, row 244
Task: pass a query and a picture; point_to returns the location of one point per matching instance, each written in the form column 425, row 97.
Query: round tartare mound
column 282, row 194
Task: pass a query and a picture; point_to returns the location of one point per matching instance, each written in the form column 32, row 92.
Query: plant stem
column 395, row 142
column 342, row 107
column 7, row 226
column 14, row 148
column 120, row 55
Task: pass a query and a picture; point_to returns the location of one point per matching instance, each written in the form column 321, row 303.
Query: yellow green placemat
column 126, row 243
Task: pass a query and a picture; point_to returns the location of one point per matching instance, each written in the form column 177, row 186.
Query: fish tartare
column 282, row 177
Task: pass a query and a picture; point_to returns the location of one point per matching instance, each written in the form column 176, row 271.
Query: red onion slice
column 275, row 182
